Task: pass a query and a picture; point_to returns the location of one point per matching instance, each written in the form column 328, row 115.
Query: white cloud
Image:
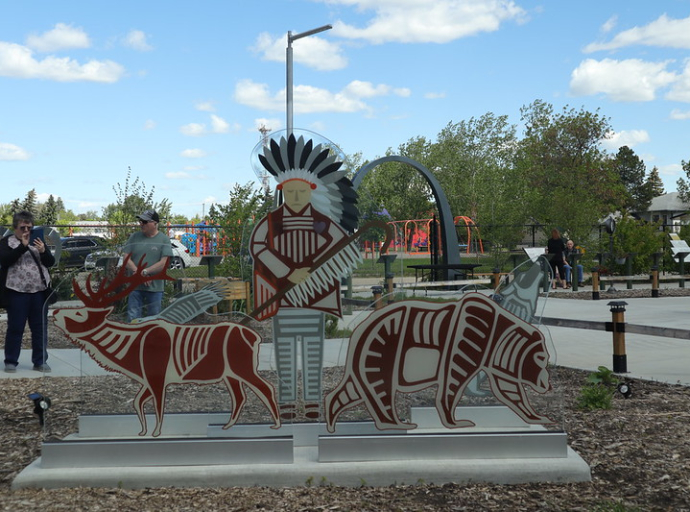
column 18, row 61
column 137, row 40
column 178, row 175
column 663, row 32
column 273, row 124
column 435, row 95
column 150, row 124
column 193, row 130
column 62, row 37
column 193, row 153
column 12, row 152
column 609, row 25
column 681, row 88
column 671, row 172
column 312, row 51
column 205, row 106
column 427, row 21
column 680, row 115
column 219, row 125
column 308, row 99
column 630, row 138
column 621, row 80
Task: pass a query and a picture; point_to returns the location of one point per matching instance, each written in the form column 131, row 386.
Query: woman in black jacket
column 24, row 279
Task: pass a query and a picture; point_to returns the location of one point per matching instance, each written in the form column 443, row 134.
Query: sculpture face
column 297, row 194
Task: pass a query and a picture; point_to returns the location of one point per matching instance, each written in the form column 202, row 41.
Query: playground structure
column 412, row 237
column 471, row 245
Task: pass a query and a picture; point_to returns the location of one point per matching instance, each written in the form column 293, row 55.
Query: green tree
column 654, row 183
column 632, row 171
column 398, row 187
column 571, row 182
column 132, row 198
column 49, row 212
column 5, row 215
column 30, row 203
column 638, row 239
column 683, row 184
column 473, row 161
column 246, row 206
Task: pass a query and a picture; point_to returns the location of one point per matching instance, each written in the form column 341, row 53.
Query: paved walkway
column 648, row 357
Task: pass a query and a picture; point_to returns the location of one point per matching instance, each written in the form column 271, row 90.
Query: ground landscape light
column 625, row 389
column 41, row 404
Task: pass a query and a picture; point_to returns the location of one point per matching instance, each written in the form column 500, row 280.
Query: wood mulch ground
column 639, row 453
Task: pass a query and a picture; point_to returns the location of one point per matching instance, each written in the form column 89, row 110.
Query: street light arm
column 292, row 37
column 288, row 71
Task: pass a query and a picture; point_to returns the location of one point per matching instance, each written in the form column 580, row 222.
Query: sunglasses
column 25, row 228
column 144, row 221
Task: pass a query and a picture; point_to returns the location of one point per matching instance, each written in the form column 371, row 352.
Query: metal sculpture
column 157, row 353
column 412, row 345
column 318, row 211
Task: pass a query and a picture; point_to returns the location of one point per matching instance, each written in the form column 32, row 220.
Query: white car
column 180, row 259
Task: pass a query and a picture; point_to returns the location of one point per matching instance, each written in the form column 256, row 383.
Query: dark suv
column 75, row 249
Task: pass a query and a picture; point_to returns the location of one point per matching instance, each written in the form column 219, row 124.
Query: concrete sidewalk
column 648, row 357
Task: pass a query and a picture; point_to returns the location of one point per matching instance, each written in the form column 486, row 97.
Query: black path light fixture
column 625, row 389
column 41, row 405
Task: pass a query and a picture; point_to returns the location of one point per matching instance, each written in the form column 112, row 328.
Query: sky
column 176, row 91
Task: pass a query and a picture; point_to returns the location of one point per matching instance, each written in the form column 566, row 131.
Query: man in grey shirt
column 152, row 250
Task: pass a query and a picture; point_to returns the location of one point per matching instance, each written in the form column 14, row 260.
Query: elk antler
column 108, row 292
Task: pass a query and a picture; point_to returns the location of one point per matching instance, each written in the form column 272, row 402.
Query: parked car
column 75, row 249
column 180, row 258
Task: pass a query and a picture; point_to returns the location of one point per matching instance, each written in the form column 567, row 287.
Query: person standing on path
column 24, row 279
column 152, row 250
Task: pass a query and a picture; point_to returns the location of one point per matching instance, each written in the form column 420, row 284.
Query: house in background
column 670, row 210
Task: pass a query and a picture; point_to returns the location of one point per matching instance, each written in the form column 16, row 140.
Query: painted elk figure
column 156, row 353
column 413, row 345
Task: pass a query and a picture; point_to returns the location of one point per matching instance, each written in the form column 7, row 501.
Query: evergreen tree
column 49, row 212
column 654, row 183
column 30, row 203
column 683, row 184
column 632, row 171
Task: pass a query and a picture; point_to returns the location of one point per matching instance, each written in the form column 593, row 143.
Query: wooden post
column 620, row 362
column 595, row 284
column 377, row 291
column 655, row 282
column 497, row 277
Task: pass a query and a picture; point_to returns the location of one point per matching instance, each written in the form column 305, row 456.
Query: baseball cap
column 149, row 215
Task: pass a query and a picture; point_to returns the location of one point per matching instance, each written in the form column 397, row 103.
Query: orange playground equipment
column 412, row 237
column 467, row 242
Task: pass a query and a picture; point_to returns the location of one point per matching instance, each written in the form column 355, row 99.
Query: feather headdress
column 333, row 193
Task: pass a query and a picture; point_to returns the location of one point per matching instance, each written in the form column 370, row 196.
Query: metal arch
column 449, row 237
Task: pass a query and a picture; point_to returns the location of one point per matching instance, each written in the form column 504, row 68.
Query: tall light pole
column 288, row 61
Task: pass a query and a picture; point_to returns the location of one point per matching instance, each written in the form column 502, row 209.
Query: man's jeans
column 580, row 273
column 140, row 300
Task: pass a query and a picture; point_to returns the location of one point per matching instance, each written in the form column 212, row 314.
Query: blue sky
column 177, row 90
